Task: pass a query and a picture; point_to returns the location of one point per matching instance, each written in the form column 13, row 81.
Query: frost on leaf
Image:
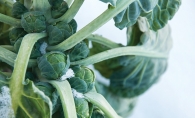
column 6, row 110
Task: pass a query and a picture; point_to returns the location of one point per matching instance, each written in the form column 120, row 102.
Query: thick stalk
column 134, row 50
column 99, row 101
column 104, row 41
column 20, row 66
column 8, row 47
column 67, row 100
column 8, row 3
column 9, row 20
column 70, row 14
column 92, row 26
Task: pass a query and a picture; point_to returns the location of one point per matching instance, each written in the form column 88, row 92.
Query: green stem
column 8, row 3
column 8, row 47
column 9, row 20
column 20, row 66
column 99, row 101
column 69, row 2
column 70, row 14
column 104, row 41
column 134, row 50
column 67, row 100
column 9, row 58
column 91, row 27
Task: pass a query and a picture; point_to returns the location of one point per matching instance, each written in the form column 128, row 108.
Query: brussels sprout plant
column 44, row 59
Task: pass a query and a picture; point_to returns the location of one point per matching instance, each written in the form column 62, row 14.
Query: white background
column 174, row 95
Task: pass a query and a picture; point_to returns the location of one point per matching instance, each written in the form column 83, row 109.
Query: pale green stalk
column 102, row 40
column 92, row 26
column 20, row 66
column 9, row 20
column 99, row 101
column 133, row 50
column 8, row 47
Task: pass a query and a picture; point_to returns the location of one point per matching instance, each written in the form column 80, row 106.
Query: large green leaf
column 132, row 75
column 33, row 103
column 158, row 12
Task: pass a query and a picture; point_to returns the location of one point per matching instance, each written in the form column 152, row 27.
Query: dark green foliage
column 85, row 74
column 158, row 12
column 82, row 107
column 15, row 34
column 73, row 23
column 33, row 22
column 17, row 44
column 59, row 32
column 53, row 65
column 58, row 11
column 78, row 52
column 18, row 10
column 55, row 3
column 78, row 84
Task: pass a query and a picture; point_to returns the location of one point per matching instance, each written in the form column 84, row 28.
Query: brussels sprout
column 15, row 34
column 82, row 107
column 85, row 74
column 31, row 76
column 53, row 65
column 78, row 52
column 78, row 84
column 55, row 3
column 35, row 51
column 59, row 32
column 33, row 22
column 17, row 44
column 56, row 12
column 18, row 10
column 97, row 113
column 73, row 23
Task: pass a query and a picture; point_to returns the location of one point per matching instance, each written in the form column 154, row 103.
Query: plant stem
column 9, row 20
column 20, row 66
column 8, row 47
column 7, row 3
column 104, row 41
column 70, row 14
column 99, row 101
column 69, row 2
column 91, row 27
column 67, row 100
column 9, row 58
column 133, row 50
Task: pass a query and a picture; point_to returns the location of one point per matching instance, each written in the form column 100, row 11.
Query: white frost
column 69, row 74
column 77, row 94
column 6, row 110
column 43, row 48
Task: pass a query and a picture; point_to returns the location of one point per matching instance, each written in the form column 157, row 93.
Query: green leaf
column 78, row 84
column 97, row 113
column 112, row 2
column 33, row 103
column 158, row 12
column 15, row 34
column 132, row 75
